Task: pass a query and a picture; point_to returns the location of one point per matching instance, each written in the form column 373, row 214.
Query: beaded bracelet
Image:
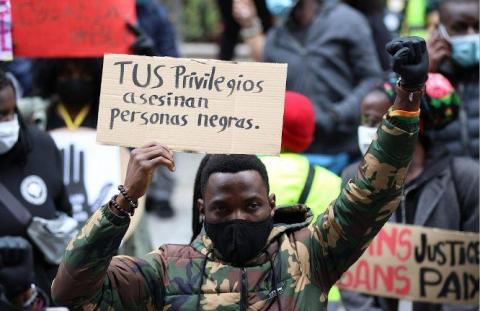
column 113, row 202
column 124, row 193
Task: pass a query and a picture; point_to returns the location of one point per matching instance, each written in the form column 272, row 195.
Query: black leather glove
column 16, row 265
column 410, row 61
column 143, row 44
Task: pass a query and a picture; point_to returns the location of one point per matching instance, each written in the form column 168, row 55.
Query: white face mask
column 9, row 131
column 366, row 134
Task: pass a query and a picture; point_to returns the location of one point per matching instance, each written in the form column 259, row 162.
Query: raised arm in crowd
column 250, row 254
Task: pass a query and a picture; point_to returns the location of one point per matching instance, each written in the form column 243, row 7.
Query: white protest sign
column 418, row 264
column 192, row 105
column 91, row 172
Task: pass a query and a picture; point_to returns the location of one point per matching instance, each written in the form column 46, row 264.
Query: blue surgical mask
column 280, row 8
column 465, row 49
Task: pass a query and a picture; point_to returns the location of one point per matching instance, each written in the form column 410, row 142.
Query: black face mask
column 76, row 92
column 239, row 241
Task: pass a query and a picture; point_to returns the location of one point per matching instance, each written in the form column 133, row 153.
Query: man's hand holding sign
column 143, row 162
column 252, row 255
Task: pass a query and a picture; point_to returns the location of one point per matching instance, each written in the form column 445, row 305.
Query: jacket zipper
column 463, row 118
column 403, row 207
column 244, row 291
column 403, row 216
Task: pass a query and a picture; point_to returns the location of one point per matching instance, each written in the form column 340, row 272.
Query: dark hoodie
column 461, row 136
column 32, row 172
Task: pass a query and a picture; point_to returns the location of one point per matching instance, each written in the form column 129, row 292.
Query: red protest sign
column 75, row 28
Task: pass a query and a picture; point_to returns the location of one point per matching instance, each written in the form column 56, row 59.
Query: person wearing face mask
column 441, row 190
column 249, row 255
column 72, row 88
column 331, row 59
column 454, row 50
column 290, row 176
column 31, row 172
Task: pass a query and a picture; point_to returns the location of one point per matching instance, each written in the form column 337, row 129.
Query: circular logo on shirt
column 34, row 190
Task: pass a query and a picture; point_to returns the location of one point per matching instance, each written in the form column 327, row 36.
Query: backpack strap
column 17, row 209
column 308, row 184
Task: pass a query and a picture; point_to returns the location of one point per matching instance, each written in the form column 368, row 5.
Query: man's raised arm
column 346, row 228
column 89, row 275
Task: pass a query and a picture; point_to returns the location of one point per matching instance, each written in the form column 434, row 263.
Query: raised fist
column 410, row 60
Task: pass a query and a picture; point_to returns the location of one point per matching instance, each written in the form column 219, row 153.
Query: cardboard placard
column 74, row 28
column 6, row 51
column 419, row 264
column 191, row 104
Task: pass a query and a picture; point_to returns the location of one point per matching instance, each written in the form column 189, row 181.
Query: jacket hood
column 286, row 219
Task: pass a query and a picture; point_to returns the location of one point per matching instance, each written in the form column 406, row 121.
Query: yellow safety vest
column 416, row 19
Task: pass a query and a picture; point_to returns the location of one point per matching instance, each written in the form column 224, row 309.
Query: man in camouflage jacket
column 299, row 261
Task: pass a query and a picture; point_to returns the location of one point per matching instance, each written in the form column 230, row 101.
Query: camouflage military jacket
column 295, row 271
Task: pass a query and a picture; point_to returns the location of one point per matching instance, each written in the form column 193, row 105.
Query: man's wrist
column 408, row 99
column 123, row 204
column 409, row 86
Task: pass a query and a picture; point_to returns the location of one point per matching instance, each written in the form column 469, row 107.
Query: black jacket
column 447, row 199
column 34, row 176
column 461, row 136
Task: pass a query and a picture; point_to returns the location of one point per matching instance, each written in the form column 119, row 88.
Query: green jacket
column 295, row 271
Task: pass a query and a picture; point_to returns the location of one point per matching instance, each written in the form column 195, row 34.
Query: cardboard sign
column 419, row 264
column 74, row 28
column 6, row 51
column 91, row 172
column 191, row 104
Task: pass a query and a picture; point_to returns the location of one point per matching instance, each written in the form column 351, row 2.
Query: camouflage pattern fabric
column 298, row 266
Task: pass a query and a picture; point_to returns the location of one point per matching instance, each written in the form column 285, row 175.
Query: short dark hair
column 232, row 163
column 197, row 223
column 215, row 163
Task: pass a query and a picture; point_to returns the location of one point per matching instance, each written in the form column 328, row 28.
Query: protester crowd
column 343, row 89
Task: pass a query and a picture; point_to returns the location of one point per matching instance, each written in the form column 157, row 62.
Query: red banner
column 74, row 28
